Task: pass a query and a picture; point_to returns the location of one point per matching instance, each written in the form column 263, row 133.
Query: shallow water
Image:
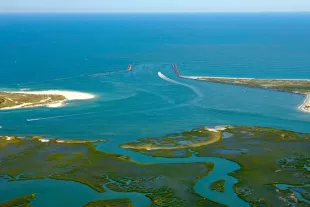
column 296, row 190
column 63, row 193
column 37, row 50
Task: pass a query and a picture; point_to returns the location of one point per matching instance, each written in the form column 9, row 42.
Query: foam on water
column 57, row 117
column 162, row 76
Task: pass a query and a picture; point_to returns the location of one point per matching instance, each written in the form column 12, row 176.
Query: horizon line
column 148, row 12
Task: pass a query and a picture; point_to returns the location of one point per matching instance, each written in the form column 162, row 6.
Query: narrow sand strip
column 305, row 107
column 234, row 78
column 212, row 77
column 69, row 96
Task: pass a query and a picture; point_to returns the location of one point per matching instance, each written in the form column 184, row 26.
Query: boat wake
column 57, row 117
column 198, row 93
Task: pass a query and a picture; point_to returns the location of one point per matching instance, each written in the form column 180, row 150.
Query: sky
column 154, row 5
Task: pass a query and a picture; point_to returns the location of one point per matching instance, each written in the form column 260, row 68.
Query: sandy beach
column 305, row 107
column 68, row 96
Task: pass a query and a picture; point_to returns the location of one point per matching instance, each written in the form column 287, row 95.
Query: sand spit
column 234, row 78
column 52, row 140
column 67, row 96
column 216, row 129
column 305, row 107
column 297, row 86
column 70, row 95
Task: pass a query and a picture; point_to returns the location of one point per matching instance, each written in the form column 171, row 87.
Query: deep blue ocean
column 38, row 49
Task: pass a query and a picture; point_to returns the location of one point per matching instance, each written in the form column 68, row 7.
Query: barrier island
column 285, row 85
column 165, row 184
column 267, row 157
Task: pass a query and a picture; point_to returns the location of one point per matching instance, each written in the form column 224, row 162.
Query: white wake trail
column 56, row 117
column 162, row 76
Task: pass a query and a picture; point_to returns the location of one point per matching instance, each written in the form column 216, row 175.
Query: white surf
column 162, row 76
column 57, row 117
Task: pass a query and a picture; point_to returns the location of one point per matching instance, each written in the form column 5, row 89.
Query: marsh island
column 267, row 157
column 165, row 184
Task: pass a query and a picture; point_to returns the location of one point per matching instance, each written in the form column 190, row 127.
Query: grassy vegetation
column 24, row 201
column 165, row 184
column 292, row 86
column 184, row 140
column 27, row 100
column 218, row 186
column 267, row 156
column 110, row 203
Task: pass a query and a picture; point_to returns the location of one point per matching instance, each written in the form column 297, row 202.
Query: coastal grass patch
column 291, row 86
column 184, row 140
column 165, row 184
column 22, row 100
column 24, row 201
column 267, row 156
column 218, row 185
column 110, row 203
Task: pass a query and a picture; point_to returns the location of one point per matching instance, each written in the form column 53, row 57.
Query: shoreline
column 68, row 96
column 216, row 132
column 46, row 140
column 305, row 106
column 149, row 147
column 235, row 78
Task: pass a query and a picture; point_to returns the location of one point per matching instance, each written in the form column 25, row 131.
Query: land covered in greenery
column 24, row 201
column 24, row 100
column 184, row 140
column 267, row 157
column 164, row 184
column 110, row 203
column 292, row 86
column 218, row 186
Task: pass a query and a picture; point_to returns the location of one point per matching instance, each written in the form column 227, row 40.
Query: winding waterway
column 51, row 192
column 221, row 169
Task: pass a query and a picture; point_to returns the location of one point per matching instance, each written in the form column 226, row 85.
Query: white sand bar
column 305, row 107
column 69, row 96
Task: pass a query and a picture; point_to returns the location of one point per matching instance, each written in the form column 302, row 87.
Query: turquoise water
column 63, row 193
column 59, row 191
column 38, row 49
